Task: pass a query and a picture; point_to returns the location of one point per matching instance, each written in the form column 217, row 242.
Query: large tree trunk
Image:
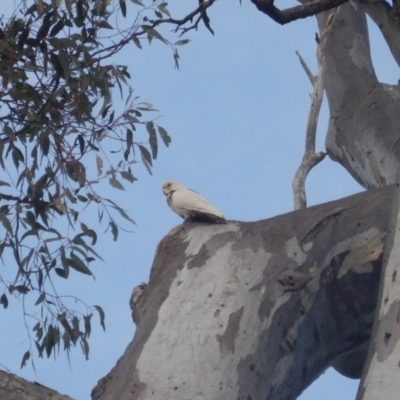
column 256, row 310
column 381, row 370
column 13, row 387
column 363, row 136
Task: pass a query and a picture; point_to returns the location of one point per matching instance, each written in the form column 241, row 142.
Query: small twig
column 310, row 157
column 307, row 70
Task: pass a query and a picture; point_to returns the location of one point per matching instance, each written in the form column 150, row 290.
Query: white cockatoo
column 190, row 205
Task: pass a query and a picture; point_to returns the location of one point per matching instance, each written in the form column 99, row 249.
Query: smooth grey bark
column 387, row 20
column 256, row 310
column 364, row 136
column 13, row 387
column 382, row 368
column 364, row 126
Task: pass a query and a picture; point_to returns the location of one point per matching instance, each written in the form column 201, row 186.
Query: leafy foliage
column 58, row 118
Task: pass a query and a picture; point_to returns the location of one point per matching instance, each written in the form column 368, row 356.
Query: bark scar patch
column 227, row 340
column 294, row 281
column 387, row 337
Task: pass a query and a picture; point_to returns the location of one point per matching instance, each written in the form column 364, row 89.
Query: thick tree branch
column 256, row 309
column 387, row 19
column 13, row 387
column 292, row 14
column 361, row 135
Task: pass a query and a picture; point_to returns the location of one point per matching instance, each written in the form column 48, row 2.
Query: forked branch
column 310, row 157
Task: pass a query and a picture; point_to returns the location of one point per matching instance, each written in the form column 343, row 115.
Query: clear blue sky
column 236, row 112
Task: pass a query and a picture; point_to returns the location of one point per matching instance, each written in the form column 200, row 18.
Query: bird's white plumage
column 189, row 204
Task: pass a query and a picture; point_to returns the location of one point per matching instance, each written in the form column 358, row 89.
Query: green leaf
column 85, row 347
column 114, row 230
column 163, row 8
column 105, row 111
column 128, row 176
column 124, row 214
column 6, row 223
column 40, row 299
column 78, row 265
column 81, row 198
column 99, row 164
column 26, row 259
column 64, row 61
column 176, row 59
column 25, row 358
column 64, row 262
column 122, row 6
column 111, row 118
column 146, row 158
column 55, row 61
column 4, row 301
column 71, row 198
column 116, row 184
column 151, row 32
column 1, row 154
column 87, row 324
column 153, row 139
column 81, row 141
column 136, row 41
column 121, row 211
column 2, row 183
column 17, row 156
column 60, row 272
column 101, row 315
column 129, row 139
column 40, row 278
column 57, row 27
column 103, row 24
column 164, row 135
column 139, row 3
column 182, row 42
column 92, row 234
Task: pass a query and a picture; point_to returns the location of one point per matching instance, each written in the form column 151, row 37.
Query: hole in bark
column 209, row 294
column 387, row 337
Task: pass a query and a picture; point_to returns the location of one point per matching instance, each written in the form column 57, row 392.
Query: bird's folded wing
column 192, row 201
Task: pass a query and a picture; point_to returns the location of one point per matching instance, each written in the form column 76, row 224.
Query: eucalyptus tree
column 259, row 310
column 65, row 105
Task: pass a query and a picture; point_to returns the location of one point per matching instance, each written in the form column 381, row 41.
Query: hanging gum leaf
column 164, row 135
column 4, row 301
column 25, row 358
column 152, row 139
column 122, row 6
column 101, row 315
column 116, row 184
